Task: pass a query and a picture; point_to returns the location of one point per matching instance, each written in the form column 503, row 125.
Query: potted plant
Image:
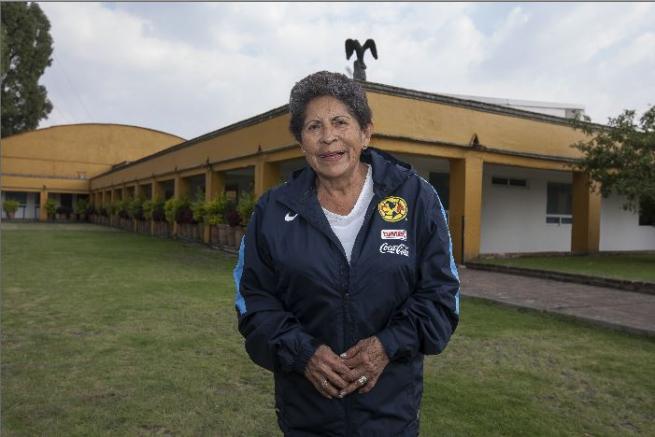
column 199, row 211
column 159, row 217
column 215, row 216
column 184, row 218
column 91, row 211
column 233, row 220
column 80, row 209
column 229, row 206
column 170, row 210
column 10, row 206
column 135, row 208
column 113, row 211
column 154, row 210
column 51, row 208
column 122, row 211
column 246, row 206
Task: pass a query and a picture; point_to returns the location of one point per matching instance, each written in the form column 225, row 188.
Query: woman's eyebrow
column 308, row 122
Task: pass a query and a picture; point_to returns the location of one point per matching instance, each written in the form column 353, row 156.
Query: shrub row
column 220, row 210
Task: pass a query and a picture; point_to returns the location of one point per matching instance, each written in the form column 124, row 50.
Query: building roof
column 460, row 101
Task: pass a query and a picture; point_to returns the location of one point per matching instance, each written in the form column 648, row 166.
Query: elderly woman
column 345, row 278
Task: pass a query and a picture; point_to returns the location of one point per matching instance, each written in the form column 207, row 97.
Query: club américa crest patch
column 392, row 209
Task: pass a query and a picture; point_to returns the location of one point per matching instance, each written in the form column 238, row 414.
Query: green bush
column 170, row 207
column 148, row 208
column 122, row 208
column 245, row 207
column 10, row 206
column 80, row 207
column 199, row 210
column 177, row 210
column 215, row 210
column 51, row 207
column 135, row 208
column 184, row 214
column 158, row 211
column 199, row 207
column 153, row 210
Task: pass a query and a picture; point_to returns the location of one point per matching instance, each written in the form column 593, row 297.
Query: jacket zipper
column 346, row 294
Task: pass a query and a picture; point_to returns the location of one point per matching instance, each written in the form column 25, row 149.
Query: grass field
column 634, row 267
column 111, row 333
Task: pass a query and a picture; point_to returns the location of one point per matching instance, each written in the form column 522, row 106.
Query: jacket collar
column 299, row 193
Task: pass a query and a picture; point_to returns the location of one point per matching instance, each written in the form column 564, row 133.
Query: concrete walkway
column 625, row 310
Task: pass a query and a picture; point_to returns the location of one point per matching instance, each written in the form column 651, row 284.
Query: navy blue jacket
column 296, row 290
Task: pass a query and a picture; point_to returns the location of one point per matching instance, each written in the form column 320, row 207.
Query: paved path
column 626, row 310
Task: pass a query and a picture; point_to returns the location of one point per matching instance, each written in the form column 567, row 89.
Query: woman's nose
column 328, row 134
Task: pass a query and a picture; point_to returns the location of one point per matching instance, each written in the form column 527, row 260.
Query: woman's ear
column 368, row 133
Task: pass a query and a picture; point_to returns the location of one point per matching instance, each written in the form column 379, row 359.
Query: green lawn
column 634, row 267
column 111, row 333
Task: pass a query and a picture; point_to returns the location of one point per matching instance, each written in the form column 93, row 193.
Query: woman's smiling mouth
column 331, row 156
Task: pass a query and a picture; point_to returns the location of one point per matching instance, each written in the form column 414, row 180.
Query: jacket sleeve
column 274, row 338
column 427, row 319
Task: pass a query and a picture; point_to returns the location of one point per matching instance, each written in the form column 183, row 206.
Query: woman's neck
column 345, row 184
column 340, row 195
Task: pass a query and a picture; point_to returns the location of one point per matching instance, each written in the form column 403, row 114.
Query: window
column 441, row 183
column 558, row 203
column 20, row 197
column 499, row 181
column 512, row 182
column 646, row 212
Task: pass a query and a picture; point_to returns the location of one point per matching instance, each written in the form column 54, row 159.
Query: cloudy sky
column 190, row 68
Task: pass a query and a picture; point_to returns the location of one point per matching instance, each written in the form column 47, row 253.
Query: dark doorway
column 441, row 183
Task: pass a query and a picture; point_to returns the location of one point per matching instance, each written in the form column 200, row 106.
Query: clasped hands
column 356, row 369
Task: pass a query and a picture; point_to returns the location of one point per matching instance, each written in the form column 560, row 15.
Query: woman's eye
column 312, row 127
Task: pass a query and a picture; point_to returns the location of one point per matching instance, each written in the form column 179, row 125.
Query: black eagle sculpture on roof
column 352, row 45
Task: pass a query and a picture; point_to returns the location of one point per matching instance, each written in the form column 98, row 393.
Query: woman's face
column 332, row 139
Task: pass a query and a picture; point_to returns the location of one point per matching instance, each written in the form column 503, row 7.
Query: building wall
column 431, row 121
column 266, row 135
column 64, row 157
column 620, row 230
column 514, row 218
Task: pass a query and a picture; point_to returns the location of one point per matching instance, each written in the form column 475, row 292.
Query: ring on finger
column 362, row 380
column 324, row 383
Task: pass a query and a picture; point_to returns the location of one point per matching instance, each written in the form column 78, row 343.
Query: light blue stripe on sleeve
column 453, row 266
column 238, row 272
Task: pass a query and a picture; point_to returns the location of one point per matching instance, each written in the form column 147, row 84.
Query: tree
column 25, row 54
column 620, row 158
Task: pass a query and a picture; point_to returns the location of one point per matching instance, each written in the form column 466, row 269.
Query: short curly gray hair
column 325, row 83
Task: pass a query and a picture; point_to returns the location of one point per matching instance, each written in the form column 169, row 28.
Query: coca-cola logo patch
column 394, row 249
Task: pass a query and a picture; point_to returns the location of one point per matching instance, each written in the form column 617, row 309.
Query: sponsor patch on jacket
column 393, row 234
column 392, row 209
column 395, row 249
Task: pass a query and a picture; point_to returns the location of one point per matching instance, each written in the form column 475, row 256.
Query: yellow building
column 506, row 176
column 57, row 162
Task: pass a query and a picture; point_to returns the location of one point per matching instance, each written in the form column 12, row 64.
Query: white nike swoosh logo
column 289, row 217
